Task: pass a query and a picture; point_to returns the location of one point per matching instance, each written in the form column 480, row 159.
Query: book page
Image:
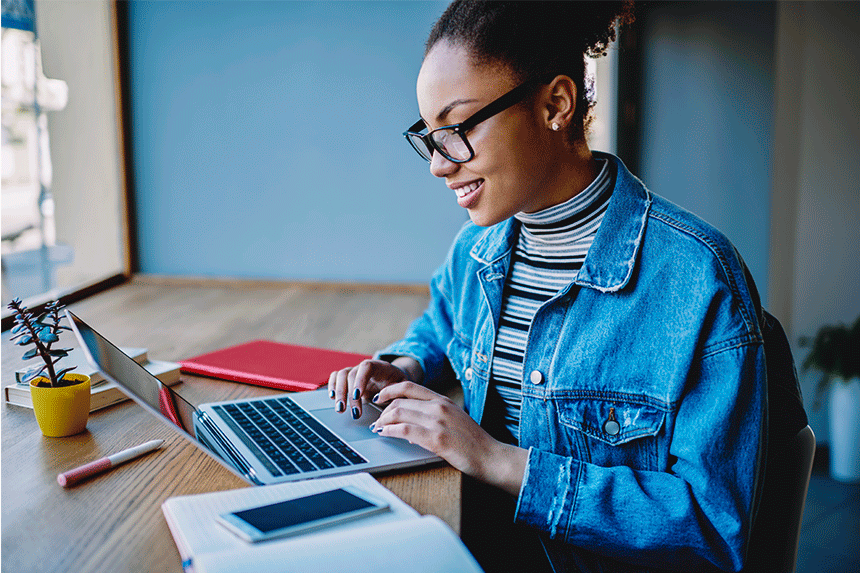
column 192, row 518
column 423, row 545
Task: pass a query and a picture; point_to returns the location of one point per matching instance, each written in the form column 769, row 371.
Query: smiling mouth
column 467, row 189
column 468, row 195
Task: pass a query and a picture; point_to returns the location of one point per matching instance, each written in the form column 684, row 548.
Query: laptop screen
column 143, row 387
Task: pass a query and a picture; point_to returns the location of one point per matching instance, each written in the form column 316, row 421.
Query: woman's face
column 512, row 162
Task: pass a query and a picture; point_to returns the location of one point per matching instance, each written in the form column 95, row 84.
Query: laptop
column 265, row 440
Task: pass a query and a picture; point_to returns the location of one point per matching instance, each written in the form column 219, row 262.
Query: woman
column 606, row 341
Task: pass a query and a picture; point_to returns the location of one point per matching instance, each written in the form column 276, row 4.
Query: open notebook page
column 192, row 522
column 423, row 545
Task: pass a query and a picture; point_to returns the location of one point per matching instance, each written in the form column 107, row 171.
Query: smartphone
column 302, row 514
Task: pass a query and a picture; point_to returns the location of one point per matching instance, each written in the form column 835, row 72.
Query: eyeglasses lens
column 451, row 144
column 420, row 145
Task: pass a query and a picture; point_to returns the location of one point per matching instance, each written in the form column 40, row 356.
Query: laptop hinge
column 228, row 448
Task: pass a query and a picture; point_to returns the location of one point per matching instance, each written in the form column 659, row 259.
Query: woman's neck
column 571, row 172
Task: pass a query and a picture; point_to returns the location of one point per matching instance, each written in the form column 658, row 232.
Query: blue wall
column 707, row 116
column 267, row 141
column 267, row 135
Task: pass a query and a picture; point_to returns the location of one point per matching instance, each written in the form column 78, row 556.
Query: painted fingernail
column 372, row 427
column 331, row 394
column 356, row 394
column 355, row 414
column 340, row 407
column 375, row 399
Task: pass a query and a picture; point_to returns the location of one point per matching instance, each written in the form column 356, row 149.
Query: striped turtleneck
column 550, row 249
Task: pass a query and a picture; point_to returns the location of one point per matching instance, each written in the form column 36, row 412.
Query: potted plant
column 61, row 398
column 836, row 354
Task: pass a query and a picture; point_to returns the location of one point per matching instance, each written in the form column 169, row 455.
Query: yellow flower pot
column 62, row 411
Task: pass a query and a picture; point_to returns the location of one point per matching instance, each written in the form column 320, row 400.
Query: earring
column 555, row 126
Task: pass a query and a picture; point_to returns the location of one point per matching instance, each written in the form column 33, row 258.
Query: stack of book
column 103, row 392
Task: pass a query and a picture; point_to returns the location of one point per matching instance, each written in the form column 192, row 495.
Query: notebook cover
column 272, row 364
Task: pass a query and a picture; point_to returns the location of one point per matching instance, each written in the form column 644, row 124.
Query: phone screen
column 301, row 514
column 302, row 510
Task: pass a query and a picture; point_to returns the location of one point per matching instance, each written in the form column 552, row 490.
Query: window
column 63, row 199
column 604, row 72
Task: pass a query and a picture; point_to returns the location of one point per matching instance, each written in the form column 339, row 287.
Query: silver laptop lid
column 203, row 425
column 145, row 389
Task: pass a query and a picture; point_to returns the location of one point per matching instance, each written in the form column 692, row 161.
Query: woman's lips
column 468, row 194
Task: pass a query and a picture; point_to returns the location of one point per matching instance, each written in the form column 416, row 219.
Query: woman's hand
column 435, row 423
column 349, row 385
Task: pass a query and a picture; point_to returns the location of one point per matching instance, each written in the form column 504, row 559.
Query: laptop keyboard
column 285, row 438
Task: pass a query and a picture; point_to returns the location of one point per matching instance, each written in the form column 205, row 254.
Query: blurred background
column 262, row 141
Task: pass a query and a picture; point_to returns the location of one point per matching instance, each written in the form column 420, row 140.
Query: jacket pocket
column 612, row 432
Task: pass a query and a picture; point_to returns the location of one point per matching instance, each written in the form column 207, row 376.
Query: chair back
column 776, row 529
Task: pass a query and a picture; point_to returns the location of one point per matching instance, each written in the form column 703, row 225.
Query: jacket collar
column 611, row 259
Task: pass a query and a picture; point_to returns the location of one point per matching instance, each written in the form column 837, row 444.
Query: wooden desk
column 113, row 522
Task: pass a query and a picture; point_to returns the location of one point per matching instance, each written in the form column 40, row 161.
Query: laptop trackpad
column 344, row 426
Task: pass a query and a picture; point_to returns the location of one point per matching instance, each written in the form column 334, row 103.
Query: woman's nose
column 440, row 166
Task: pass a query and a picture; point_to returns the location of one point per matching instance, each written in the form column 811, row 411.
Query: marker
column 72, row 477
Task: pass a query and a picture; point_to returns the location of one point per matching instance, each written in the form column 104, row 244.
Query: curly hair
column 535, row 39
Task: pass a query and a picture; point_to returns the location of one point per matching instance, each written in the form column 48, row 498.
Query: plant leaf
column 61, row 374
column 34, row 374
column 59, row 352
column 32, row 353
column 18, row 329
column 25, row 341
column 47, row 336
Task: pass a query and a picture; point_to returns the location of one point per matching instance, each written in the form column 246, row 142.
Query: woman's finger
column 340, row 389
column 413, row 433
column 407, row 389
column 332, row 383
column 357, row 382
column 403, row 410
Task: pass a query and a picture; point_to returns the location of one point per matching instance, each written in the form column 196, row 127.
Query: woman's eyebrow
column 447, row 109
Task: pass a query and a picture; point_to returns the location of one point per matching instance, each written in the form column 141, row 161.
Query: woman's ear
column 559, row 103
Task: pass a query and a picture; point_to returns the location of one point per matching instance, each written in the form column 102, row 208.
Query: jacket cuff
column 547, row 499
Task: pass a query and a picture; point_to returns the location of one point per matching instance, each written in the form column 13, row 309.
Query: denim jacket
column 644, row 391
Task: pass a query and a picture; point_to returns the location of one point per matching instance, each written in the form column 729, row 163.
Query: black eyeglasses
column 450, row 140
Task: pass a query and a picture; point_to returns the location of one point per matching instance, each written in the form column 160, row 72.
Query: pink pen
column 72, row 477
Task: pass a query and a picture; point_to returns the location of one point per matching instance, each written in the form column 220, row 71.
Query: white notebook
column 398, row 540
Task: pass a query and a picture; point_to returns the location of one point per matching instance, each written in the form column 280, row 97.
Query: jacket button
column 536, row 377
column 469, row 374
column 611, row 427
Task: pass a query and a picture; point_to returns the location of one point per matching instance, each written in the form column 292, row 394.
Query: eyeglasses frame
column 495, row 107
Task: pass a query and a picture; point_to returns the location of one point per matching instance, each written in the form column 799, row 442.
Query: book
column 105, row 393
column 398, row 540
column 76, row 356
column 272, row 364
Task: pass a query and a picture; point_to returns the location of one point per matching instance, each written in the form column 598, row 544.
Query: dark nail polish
column 356, row 394
column 340, row 406
column 331, row 394
column 375, row 399
column 355, row 414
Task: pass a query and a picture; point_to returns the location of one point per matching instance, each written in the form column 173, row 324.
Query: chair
column 776, row 530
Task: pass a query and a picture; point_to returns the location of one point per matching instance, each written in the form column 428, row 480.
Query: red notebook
column 272, row 364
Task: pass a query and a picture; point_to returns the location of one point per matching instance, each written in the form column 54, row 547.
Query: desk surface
column 113, row 522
